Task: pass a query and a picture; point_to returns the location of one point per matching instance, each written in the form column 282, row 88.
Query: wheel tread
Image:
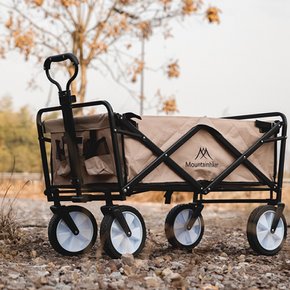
column 105, row 231
column 169, row 222
column 251, row 231
column 52, row 226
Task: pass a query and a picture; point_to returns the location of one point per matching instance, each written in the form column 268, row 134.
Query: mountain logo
column 203, row 153
column 204, row 160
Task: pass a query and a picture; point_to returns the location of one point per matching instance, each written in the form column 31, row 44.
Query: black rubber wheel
column 259, row 234
column 114, row 240
column 251, row 226
column 176, row 230
column 64, row 241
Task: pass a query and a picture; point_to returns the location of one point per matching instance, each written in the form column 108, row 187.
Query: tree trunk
column 79, row 93
column 83, row 84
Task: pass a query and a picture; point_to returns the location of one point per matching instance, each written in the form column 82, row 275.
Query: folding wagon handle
column 60, row 58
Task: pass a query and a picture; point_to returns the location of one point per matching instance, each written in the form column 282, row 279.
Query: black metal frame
column 123, row 125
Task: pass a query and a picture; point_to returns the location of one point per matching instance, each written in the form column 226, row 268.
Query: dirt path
column 223, row 259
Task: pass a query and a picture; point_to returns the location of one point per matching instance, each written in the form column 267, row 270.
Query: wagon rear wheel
column 259, row 234
column 176, row 227
column 64, row 241
column 114, row 239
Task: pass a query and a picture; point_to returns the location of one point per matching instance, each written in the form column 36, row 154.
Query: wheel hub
column 127, row 243
column 268, row 238
column 78, row 240
column 184, row 234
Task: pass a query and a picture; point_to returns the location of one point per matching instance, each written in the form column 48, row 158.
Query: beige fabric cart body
column 201, row 156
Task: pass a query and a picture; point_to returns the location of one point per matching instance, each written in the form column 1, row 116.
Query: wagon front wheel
column 64, row 241
column 176, row 227
column 259, row 234
column 115, row 241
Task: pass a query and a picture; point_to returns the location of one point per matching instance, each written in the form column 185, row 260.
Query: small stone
column 242, row 258
column 158, row 272
column 176, row 265
column 159, row 262
column 51, row 265
column 33, row 254
column 75, row 276
column 86, row 286
column 43, row 280
column 134, row 284
column 14, row 275
column 116, row 285
column 249, row 259
column 211, row 267
column 64, row 269
column 218, row 277
column 209, row 287
column 223, row 254
column 127, row 270
column 39, row 261
column 167, row 258
column 219, row 285
column 141, row 264
column 175, row 277
column 112, row 265
column 102, row 284
column 128, row 259
column 46, row 287
column 166, row 272
column 13, row 253
column 116, row 276
column 153, row 282
column 282, row 286
column 64, row 287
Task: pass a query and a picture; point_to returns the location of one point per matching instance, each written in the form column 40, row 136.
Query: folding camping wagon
column 111, row 156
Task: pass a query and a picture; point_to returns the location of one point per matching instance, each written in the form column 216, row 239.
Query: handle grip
column 59, row 58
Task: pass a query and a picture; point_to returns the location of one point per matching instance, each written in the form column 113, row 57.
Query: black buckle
column 263, row 126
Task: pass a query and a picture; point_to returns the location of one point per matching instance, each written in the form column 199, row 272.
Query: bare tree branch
column 41, row 29
column 96, row 31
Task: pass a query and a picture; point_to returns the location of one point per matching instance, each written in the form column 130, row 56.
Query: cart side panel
column 201, row 156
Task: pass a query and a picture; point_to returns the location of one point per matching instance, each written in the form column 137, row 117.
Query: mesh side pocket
column 99, row 165
column 98, row 160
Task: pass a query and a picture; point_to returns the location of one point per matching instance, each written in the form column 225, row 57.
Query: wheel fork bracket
column 196, row 212
column 278, row 215
column 65, row 216
column 167, row 196
column 116, row 213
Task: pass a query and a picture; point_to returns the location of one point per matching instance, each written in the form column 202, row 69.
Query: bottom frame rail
column 86, row 198
column 270, row 201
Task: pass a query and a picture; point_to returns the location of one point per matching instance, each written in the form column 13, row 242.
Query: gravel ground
column 222, row 260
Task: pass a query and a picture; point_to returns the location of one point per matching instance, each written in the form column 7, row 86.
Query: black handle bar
column 60, row 58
